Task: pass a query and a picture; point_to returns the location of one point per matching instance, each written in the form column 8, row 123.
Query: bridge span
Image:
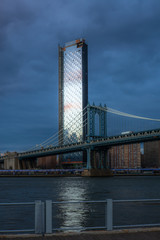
column 98, row 144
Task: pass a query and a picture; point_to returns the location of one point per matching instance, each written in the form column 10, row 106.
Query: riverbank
column 75, row 175
column 129, row 234
column 78, row 172
column 57, row 173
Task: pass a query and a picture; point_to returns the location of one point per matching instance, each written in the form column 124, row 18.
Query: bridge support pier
column 27, row 163
column 100, row 160
column 11, row 161
column 97, row 159
column 23, row 164
column 88, row 158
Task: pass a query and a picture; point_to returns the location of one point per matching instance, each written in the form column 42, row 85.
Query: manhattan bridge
column 104, row 128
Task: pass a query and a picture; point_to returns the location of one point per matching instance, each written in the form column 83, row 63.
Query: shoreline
column 78, row 172
column 78, row 175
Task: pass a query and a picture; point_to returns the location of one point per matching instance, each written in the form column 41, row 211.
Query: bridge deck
column 150, row 135
column 135, row 137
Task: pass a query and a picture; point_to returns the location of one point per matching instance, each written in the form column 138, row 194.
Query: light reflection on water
column 78, row 214
column 72, row 214
column 81, row 189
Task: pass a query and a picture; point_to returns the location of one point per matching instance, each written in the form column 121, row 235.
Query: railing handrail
column 136, row 200
column 85, row 201
column 88, row 201
column 19, row 203
column 43, row 215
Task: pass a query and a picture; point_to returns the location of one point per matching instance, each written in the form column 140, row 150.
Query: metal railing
column 8, row 205
column 38, row 216
column 43, row 215
column 138, row 201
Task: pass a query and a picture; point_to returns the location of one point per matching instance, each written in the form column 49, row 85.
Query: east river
column 29, row 189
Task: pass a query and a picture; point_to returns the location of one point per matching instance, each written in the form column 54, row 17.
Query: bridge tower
column 96, row 129
column 93, row 112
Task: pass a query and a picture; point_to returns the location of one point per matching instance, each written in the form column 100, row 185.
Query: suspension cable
column 111, row 110
column 59, row 133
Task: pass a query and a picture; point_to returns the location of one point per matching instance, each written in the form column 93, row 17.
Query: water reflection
column 72, row 214
column 78, row 214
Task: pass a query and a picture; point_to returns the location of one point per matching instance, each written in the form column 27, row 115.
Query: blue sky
column 124, row 61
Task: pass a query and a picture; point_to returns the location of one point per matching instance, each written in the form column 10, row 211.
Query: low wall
column 97, row 173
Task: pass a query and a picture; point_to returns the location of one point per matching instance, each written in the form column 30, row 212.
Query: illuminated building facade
column 125, row 156
column 73, row 94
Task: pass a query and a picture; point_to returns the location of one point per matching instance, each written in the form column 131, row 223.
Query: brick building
column 125, row 156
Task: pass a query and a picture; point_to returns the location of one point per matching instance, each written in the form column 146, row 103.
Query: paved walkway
column 136, row 234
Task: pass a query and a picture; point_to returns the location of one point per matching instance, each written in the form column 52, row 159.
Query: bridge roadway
column 105, row 143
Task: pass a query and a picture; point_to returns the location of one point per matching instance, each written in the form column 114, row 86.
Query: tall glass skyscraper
column 73, row 94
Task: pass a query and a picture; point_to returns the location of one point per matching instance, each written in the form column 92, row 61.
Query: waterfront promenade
column 132, row 234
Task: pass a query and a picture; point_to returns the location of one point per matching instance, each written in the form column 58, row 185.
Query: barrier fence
column 41, row 215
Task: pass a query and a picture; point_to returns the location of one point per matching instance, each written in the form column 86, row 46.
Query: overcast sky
column 123, row 38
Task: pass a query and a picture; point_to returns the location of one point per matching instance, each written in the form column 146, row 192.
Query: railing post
column 39, row 217
column 109, row 215
column 48, row 216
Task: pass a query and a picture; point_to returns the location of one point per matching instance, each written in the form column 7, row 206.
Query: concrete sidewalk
column 132, row 234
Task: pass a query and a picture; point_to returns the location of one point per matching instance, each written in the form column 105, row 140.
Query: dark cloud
column 124, row 57
column 14, row 12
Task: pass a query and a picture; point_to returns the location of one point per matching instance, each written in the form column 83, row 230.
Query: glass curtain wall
column 73, row 95
column 73, row 125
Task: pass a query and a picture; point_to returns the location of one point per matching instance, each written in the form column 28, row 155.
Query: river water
column 29, row 189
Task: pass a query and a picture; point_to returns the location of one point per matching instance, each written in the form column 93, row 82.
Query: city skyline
column 124, row 56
